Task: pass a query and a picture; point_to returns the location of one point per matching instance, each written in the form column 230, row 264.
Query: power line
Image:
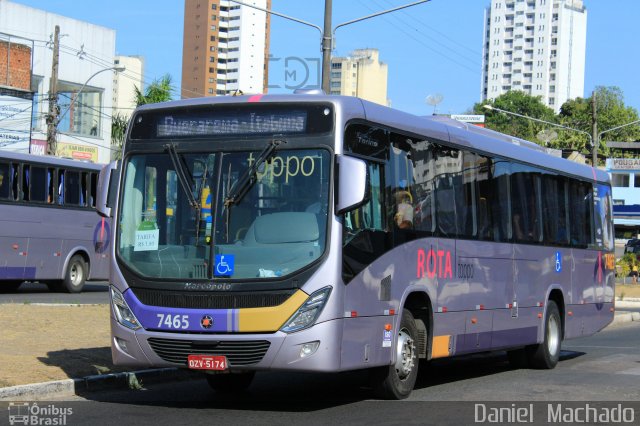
column 428, row 46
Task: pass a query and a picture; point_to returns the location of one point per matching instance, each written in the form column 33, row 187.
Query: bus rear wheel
column 75, row 275
column 545, row 355
column 230, row 382
column 396, row 381
column 9, row 286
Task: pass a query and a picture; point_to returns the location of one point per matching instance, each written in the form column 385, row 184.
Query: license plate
column 207, row 362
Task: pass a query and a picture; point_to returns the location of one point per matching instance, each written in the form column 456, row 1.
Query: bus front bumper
column 316, row 349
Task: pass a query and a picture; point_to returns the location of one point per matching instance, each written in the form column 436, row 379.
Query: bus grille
column 207, row 300
column 238, row 353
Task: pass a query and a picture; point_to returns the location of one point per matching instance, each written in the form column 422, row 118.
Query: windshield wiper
column 186, row 181
column 249, row 178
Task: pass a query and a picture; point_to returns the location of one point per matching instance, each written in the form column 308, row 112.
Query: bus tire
column 10, row 286
column 545, row 355
column 75, row 275
column 396, row 381
column 231, row 382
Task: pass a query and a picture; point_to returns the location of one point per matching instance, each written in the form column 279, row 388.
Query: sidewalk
column 40, row 343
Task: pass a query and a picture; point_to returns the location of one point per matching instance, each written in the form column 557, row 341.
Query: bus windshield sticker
column 147, row 237
column 224, row 265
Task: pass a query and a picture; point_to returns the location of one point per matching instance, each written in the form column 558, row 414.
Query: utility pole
column 327, row 41
column 594, row 134
column 52, row 117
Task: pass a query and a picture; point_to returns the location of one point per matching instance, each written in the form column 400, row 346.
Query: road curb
column 134, row 380
column 624, row 318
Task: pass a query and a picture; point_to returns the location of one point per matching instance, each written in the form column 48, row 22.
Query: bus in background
column 323, row 233
column 49, row 229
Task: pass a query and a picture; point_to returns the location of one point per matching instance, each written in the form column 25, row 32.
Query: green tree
column 118, row 132
column 158, row 91
column 611, row 112
column 521, row 103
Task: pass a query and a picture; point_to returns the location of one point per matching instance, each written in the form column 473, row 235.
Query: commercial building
column 360, row 74
column 124, row 84
column 86, row 50
column 225, row 48
column 536, row 46
column 625, row 182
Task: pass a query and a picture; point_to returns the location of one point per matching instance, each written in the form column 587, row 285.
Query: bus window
column 554, row 209
column 5, row 181
column 25, row 182
column 93, row 190
column 525, row 196
column 603, row 216
column 450, row 211
column 38, row 184
column 580, row 213
column 72, row 188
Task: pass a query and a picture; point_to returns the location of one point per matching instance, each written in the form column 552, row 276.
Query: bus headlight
column 123, row 313
column 309, row 312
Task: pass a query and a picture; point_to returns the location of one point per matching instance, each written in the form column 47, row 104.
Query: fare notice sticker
column 147, row 237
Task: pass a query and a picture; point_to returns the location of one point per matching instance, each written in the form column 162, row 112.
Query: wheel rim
column 75, row 273
column 405, row 356
column 553, row 336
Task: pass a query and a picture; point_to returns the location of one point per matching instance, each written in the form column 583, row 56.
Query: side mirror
column 353, row 183
column 107, row 188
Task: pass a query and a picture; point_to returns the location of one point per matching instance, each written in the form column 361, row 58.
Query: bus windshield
column 276, row 228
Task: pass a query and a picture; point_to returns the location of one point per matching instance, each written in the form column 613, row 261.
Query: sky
column 433, row 48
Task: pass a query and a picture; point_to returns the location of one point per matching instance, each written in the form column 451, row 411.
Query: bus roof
column 48, row 160
column 439, row 127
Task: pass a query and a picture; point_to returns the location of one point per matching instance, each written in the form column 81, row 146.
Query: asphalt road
column 94, row 292
column 603, row 367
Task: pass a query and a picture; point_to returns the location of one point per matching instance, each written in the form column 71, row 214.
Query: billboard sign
column 15, row 123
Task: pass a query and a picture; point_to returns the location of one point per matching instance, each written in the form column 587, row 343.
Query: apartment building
column 536, row 46
column 225, row 48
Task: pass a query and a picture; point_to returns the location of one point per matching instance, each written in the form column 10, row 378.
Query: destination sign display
column 227, row 124
column 219, row 120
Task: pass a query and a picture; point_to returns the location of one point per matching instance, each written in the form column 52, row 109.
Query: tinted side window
column 72, row 188
column 554, row 209
column 525, row 204
column 604, row 214
column 580, row 213
column 38, row 184
column 451, row 215
column 25, row 182
column 5, row 181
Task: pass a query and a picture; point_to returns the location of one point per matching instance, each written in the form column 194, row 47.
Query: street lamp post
column 52, row 140
column 492, row 108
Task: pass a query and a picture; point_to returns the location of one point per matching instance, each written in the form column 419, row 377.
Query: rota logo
column 434, row 262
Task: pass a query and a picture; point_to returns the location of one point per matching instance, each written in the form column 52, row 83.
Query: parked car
column 629, row 246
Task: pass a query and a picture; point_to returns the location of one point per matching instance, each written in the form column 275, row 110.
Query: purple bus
column 325, row 234
column 49, row 229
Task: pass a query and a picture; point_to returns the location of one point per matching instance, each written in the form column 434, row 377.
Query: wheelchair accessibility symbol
column 558, row 262
column 224, row 265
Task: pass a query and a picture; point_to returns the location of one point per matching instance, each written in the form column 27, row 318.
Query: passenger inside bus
column 404, row 210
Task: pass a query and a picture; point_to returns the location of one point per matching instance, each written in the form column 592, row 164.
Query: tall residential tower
column 225, row 48
column 537, row 46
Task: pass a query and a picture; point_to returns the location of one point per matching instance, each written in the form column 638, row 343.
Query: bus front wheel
column 75, row 275
column 396, row 381
column 545, row 355
column 230, row 382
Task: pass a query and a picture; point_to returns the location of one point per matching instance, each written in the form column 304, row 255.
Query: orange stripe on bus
column 440, row 347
